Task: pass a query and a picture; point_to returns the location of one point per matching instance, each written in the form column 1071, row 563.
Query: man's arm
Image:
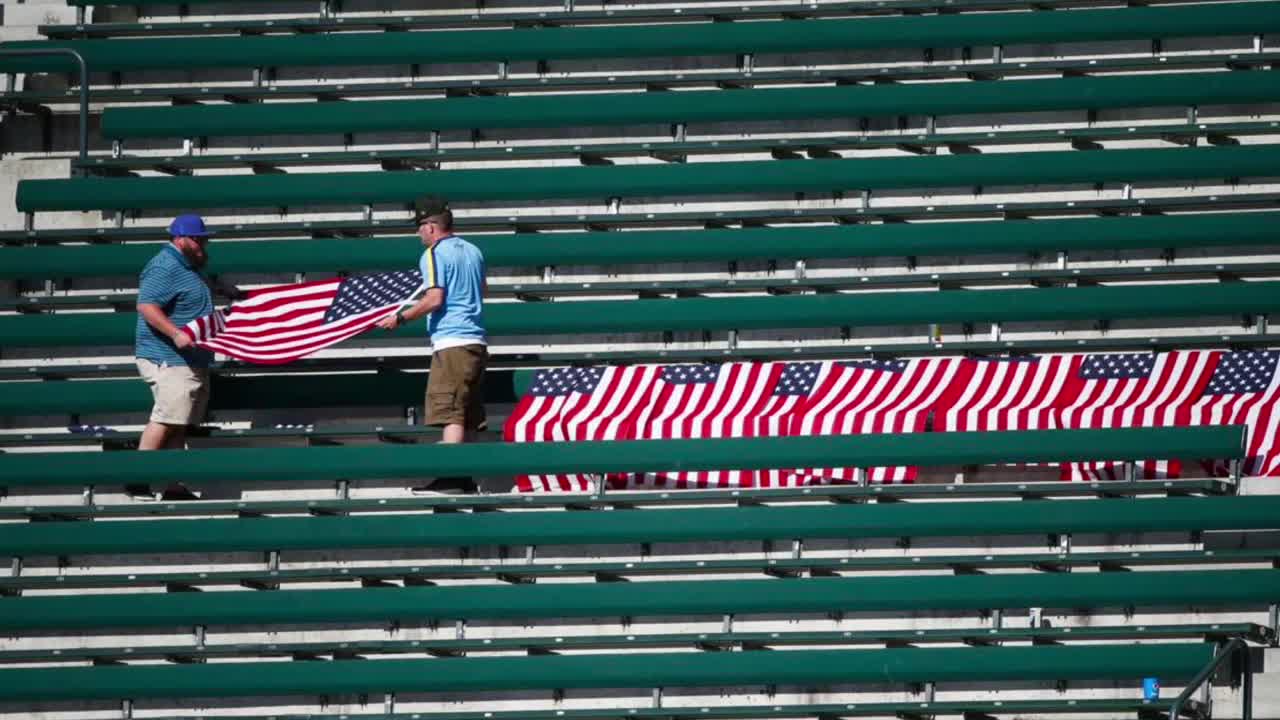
column 155, row 317
column 429, row 301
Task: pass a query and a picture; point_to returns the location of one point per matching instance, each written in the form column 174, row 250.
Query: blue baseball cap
column 189, row 225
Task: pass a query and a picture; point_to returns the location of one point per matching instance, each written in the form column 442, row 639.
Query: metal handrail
column 1232, row 647
column 84, row 90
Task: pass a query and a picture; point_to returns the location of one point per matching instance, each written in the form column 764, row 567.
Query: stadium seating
column 1207, row 588
column 693, row 107
column 674, row 151
column 814, row 180
column 729, row 78
column 652, row 526
column 322, row 464
column 353, row 189
column 672, row 246
column 263, row 392
column 682, row 40
column 332, row 18
column 760, row 312
column 812, row 667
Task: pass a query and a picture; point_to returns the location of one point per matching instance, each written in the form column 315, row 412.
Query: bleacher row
column 440, row 588
column 649, row 183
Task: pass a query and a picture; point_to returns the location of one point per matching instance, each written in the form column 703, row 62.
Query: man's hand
column 390, row 322
column 181, row 340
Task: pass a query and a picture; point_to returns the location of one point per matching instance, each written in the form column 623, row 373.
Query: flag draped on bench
column 280, row 324
column 894, row 396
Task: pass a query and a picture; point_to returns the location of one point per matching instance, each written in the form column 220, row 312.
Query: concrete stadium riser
column 24, row 157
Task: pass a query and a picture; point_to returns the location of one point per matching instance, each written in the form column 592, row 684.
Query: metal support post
column 83, row 137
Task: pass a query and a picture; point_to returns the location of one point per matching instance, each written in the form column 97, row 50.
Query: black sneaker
column 458, row 485
column 139, row 491
column 178, row 491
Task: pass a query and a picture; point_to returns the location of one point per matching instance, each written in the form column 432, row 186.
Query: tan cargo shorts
column 181, row 393
column 455, row 387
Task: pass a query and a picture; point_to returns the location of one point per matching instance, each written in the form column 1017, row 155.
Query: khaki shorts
column 455, row 387
column 181, row 393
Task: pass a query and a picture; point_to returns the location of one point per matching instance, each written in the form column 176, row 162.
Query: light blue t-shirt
column 457, row 266
column 169, row 281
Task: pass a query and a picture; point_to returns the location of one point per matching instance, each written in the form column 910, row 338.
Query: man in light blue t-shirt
column 454, row 274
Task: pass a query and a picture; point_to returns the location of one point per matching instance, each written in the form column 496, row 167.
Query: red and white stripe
column 776, row 421
column 854, row 400
column 603, row 414
column 730, row 407
column 1260, row 411
column 281, row 324
column 1008, row 394
column 1162, row 400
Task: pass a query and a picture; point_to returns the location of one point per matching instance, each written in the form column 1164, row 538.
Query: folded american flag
column 280, row 324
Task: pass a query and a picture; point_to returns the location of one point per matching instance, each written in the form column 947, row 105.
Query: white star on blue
column 1122, row 366
column 365, row 292
column 1249, row 371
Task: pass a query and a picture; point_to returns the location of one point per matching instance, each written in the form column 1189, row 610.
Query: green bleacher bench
column 615, row 571
column 741, row 106
column 709, row 178
column 787, row 36
column 776, row 285
column 512, row 17
column 1172, row 662
column 1238, row 589
column 834, row 310
column 621, row 499
column 832, row 521
column 672, row 246
column 499, row 459
column 322, row 434
column 28, row 97
column 229, row 392
column 795, row 147
column 629, row 220
column 342, row 649
column 909, row 708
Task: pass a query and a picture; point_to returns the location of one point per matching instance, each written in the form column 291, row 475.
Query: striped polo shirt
column 168, row 280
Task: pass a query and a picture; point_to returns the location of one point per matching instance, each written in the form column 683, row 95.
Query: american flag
column 1245, row 390
column 1135, row 390
column 874, row 396
column 280, row 324
column 708, row 401
column 1015, row 393
column 592, row 403
column 793, row 392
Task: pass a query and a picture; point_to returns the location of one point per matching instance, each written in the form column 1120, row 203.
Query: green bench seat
column 499, row 459
column 711, row 178
column 616, row 570
column 1254, row 589
column 230, row 392
column 628, row 220
column 778, row 284
column 343, row 649
column 311, row 435
column 784, row 148
column 764, row 312
column 649, row 526
column 1172, row 662
column 26, row 98
column 621, row 499
column 791, row 36
column 1088, row 93
column 672, row 246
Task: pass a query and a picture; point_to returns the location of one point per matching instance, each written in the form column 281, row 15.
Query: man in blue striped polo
column 171, row 293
